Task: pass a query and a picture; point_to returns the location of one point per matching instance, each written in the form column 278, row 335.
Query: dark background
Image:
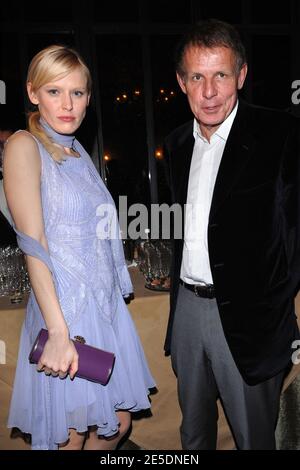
column 129, row 46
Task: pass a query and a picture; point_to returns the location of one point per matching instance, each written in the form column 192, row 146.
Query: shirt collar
column 222, row 131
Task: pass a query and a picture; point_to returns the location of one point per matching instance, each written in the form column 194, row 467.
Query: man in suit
column 235, row 273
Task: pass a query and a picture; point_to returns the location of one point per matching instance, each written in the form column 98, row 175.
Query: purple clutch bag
column 94, row 364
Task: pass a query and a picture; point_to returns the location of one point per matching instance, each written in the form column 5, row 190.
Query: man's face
column 211, row 81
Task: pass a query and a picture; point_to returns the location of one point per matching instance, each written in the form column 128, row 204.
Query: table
column 160, row 431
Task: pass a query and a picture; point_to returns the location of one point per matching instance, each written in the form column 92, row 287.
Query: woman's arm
column 22, row 180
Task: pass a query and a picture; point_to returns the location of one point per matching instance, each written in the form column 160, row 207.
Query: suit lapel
column 235, row 156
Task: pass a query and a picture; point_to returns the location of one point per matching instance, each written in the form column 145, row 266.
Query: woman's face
column 62, row 103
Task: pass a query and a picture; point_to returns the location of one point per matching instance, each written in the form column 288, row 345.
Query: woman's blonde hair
column 52, row 63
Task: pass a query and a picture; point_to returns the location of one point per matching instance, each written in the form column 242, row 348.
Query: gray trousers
column 206, row 371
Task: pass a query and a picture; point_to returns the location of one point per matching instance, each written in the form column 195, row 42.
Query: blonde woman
column 78, row 278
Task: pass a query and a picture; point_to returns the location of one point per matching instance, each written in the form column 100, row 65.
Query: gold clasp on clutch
column 80, row 339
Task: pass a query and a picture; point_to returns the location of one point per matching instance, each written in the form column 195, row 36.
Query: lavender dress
column 87, row 263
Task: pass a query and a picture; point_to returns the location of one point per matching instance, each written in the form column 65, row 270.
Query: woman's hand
column 59, row 356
